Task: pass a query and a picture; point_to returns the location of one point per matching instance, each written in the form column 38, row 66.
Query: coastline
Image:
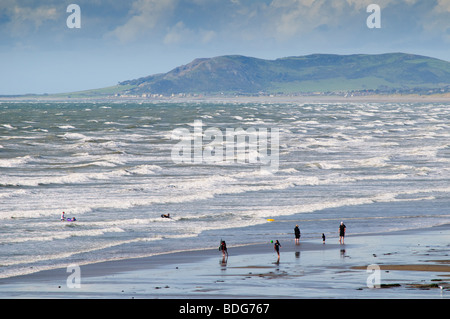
column 413, row 264
column 375, row 98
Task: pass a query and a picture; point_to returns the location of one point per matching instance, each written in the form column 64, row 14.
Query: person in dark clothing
column 323, row 238
column 277, row 246
column 341, row 233
column 223, row 248
column 297, row 234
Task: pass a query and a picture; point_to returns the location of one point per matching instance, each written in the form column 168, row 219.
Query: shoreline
column 409, row 268
column 405, row 98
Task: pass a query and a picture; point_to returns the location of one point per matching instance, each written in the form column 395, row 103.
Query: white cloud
column 24, row 19
column 439, row 20
column 207, row 35
column 443, row 6
column 145, row 16
column 289, row 18
column 178, row 33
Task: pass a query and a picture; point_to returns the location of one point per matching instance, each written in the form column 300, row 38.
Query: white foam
column 324, row 165
column 73, row 178
column 378, row 161
column 145, row 169
column 55, row 235
column 74, row 136
column 15, row 162
column 13, row 193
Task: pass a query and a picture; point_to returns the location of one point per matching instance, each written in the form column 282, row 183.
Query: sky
column 43, row 50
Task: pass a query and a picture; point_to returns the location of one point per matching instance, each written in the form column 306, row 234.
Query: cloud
column 21, row 20
column 291, row 18
column 145, row 16
column 443, row 5
column 439, row 19
column 177, row 34
column 208, row 35
column 181, row 34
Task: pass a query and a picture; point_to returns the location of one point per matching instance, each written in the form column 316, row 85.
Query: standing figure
column 323, row 238
column 277, row 246
column 297, row 234
column 223, row 248
column 341, row 233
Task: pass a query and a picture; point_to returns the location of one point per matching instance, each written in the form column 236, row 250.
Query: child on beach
column 223, row 248
column 277, row 246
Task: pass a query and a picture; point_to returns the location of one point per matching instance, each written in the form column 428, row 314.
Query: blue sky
column 121, row 40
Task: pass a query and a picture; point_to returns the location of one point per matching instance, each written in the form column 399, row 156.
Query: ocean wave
column 13, row 193
column 60, row 235
column 377, row 198
column 66, row 127
column 144, row 169
column 378, row 161
column 74, row 136
column 324, row 165
column 72, row 178
column 15, row 162
column 43, row 262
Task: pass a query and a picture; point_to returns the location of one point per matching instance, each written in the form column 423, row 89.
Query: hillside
column 302, row 74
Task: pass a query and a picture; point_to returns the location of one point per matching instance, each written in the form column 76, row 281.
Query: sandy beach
column 412, row 264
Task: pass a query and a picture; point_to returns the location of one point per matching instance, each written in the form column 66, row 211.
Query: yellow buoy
column 270, row 219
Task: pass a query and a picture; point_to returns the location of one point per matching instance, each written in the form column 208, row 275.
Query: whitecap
column 74, row 136
column 66, row 127
column 144, row 169
column 14, row 162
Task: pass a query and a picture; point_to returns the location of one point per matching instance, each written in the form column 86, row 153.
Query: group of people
column 297, row 234
column 342, row 228
column 70, row 219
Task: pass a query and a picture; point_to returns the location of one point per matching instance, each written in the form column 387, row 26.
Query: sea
column 115, row 166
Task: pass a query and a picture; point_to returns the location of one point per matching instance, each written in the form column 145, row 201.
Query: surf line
column 235, row 145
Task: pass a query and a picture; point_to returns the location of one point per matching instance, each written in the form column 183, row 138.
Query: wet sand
column 412, row 264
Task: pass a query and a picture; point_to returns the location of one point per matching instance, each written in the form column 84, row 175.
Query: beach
column 381, row 168
column 413, row 264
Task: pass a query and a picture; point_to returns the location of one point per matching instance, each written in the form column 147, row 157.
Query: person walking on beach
column 341, row 233
column 223, row 248
column 323, row 238
column 277, row 246
column 62, row 216
column 297, row 234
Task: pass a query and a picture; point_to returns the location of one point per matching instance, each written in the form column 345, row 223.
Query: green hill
column 311, row 73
